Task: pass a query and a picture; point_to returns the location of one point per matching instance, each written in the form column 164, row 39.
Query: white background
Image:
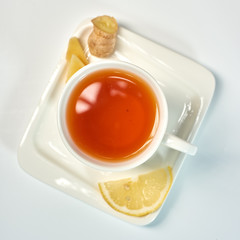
column 204, row 203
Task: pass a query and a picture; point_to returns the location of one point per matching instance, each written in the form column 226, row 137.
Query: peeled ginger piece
column 106, row 24
column 74, row 65
column 74, row 47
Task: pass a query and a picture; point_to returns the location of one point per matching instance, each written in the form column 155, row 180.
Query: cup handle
column 179, row 144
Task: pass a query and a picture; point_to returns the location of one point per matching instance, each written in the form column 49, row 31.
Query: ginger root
column 102, row 40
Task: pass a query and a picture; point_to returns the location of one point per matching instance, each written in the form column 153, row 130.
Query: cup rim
column 137, row 159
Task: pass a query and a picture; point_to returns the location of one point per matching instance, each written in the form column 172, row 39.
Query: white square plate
column 188, row 87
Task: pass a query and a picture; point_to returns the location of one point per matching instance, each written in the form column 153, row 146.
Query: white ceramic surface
column 188, row 88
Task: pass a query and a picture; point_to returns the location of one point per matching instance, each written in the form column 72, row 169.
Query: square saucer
column 188, row 88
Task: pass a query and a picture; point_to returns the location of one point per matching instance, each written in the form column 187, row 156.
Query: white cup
column 160, row 136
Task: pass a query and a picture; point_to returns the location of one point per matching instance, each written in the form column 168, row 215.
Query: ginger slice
column 75, row 47
column 74, row 65
column 102, row 40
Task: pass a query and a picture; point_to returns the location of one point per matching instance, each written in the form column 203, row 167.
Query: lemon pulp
column 140, row 196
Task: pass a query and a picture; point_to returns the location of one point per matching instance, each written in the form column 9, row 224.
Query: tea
column 111, row 114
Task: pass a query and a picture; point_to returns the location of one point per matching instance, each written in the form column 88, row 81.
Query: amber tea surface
column 111, row 114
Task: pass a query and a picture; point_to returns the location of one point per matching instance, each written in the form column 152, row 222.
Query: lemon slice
column 140, row 196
